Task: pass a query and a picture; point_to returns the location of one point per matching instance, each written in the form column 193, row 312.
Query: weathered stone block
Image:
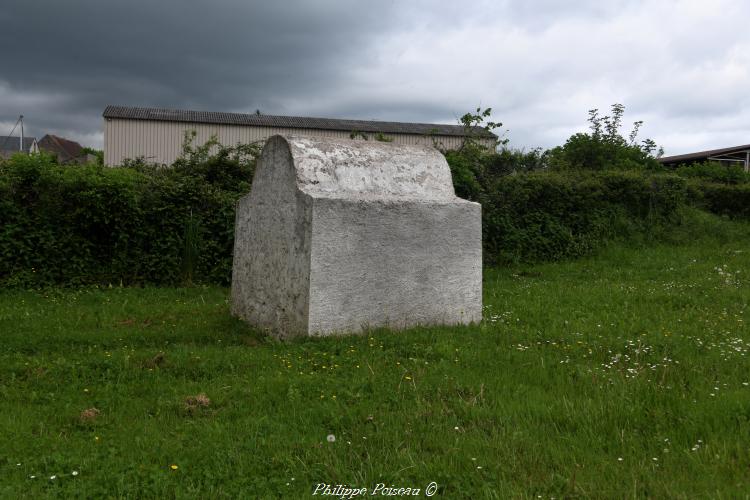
column 337, row 236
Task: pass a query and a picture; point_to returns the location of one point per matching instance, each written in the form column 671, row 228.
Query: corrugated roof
column 172, row 115
column 10, row 143
column 702, row 155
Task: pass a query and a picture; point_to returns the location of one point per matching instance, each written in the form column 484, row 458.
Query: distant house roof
column 260, row 120
column 66, row 150
column 9, row 144
column 734, row 153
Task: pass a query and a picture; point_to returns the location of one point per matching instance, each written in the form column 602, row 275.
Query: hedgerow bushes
column 718, row 188
column 570, row 200
column 533, row 215
column 137, row 224
column 731, row 200
column 89, row 224
column 714, row 172
column 552, row 215
column 78, row 225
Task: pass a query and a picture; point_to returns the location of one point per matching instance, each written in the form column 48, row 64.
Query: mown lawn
column 623, row 375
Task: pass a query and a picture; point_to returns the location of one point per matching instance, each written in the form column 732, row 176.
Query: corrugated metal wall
column 161, row 142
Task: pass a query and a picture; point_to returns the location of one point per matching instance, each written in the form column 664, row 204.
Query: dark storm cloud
column 683, row 66
column 65, row 61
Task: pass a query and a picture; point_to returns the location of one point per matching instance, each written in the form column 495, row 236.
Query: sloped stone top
column 339, row 168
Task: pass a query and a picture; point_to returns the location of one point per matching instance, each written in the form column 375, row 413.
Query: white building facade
column 157, row 135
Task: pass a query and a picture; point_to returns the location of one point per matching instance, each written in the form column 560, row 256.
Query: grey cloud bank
column 540, row 64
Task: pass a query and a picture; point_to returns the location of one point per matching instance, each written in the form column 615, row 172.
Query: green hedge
column 91, row 224
column 552, row 216
column 731, row 200
column 75, row 225
column 716, row 172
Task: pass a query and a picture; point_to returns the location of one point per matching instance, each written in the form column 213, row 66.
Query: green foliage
column 469, row 172
column 89, row 224
column 731, row 200
column 720, row 188
column 474, row 168
column 535, row 213
column 381, row 137
column 605, row 147
column 478, row 127
column 718, row 172
column 96, row 153
column 227, row 168
column 191, row 242
column 551, row 215
column 141, row 224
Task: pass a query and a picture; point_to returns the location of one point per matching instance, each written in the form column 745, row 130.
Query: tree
column 220, row 165
column 477, row 126
column 605, row 147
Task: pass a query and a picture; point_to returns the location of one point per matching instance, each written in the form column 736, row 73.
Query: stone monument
column 337, row 236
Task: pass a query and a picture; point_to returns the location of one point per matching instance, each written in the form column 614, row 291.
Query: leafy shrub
column 88, row 224
column 227, row 168
column 474, row 168
column 717, row 172
column 553, row 215
column 569, row 201
column 731, row 200
column 605, row 147
column 143, row 224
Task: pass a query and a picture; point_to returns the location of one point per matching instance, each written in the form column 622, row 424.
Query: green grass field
column 623, row 375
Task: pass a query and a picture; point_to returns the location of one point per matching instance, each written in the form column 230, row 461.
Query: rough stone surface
column 339, row 236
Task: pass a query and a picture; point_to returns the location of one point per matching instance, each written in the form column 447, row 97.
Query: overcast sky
column 682, row 66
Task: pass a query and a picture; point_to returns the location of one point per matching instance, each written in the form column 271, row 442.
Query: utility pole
column 20, row 118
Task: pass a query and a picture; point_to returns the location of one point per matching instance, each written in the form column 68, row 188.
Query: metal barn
column 157, row 134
